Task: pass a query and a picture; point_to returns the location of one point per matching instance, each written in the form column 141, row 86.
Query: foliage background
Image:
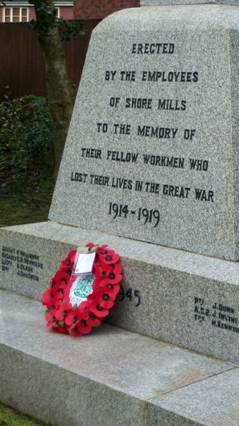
column 25, row 142
column 26, row 182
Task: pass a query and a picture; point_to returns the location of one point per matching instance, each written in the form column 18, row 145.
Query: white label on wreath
column 81, row 288
column 84, row 263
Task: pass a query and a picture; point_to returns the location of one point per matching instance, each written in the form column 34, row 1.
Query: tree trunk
column 59, row 89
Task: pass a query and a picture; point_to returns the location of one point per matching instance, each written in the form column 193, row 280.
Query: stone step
column 109, row 377
column 176, row 296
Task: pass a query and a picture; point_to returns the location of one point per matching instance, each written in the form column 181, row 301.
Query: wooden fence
column 21, row 61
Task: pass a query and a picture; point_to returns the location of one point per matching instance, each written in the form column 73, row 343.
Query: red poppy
column 96, row 285
column 109, row 257
column 113, row 275
column 92, row 320
column 75, row 333
column 48, row 298
column 71, row 320
column 111, row 289
column 60, row 276
column 59, row 289
column 50, row 319
column 104, row 297
column 62, row 311
column 60, row 330
column 91, row 245
column 83, row 326
column 59, row 295
column 99, row 311
column 67, row 263
column 102, row 248
column 98, row 270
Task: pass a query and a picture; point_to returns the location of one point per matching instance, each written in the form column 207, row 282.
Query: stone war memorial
column 150, row 167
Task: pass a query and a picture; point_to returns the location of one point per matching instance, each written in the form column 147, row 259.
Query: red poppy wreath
column 80, row 296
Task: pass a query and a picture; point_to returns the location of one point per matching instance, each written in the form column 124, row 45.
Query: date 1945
column 142, row 214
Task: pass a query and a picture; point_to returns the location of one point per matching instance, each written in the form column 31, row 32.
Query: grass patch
column 15, row 211
column 28, row 207
column 18, row 211
column 10, row 417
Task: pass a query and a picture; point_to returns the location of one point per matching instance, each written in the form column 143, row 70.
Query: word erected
column 152, row 48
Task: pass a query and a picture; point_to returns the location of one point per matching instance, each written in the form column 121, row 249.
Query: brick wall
column 66, row 12
column 31, row 13
column 98, row 9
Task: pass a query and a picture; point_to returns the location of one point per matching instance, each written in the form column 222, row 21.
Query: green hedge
column 25, row 141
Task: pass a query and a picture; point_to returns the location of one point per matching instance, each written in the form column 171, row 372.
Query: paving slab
column 211, row 402
column 107, row 377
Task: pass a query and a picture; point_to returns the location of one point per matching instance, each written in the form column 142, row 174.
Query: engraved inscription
column 218, row 315
column 141, row 214
column 26, row 264
column 146, row 152
column 131, row 295
column 161, row 187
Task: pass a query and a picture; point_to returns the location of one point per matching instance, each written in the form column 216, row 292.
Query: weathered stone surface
column 29, row 260
column 180, row 297
column 178, row 2
column 164, row 92
column 212, row 402
column 108, row 377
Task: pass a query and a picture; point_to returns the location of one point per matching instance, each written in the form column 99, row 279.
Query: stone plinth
column 152, row 147
column 183, row 298
column 109, row 377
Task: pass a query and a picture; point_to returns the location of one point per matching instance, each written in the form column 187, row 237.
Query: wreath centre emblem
column 81, row 288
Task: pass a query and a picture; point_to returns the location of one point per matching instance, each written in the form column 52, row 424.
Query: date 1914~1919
column 142, row 214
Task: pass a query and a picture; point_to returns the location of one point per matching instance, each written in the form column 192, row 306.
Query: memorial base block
column 179, row 297
column 109, row 377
